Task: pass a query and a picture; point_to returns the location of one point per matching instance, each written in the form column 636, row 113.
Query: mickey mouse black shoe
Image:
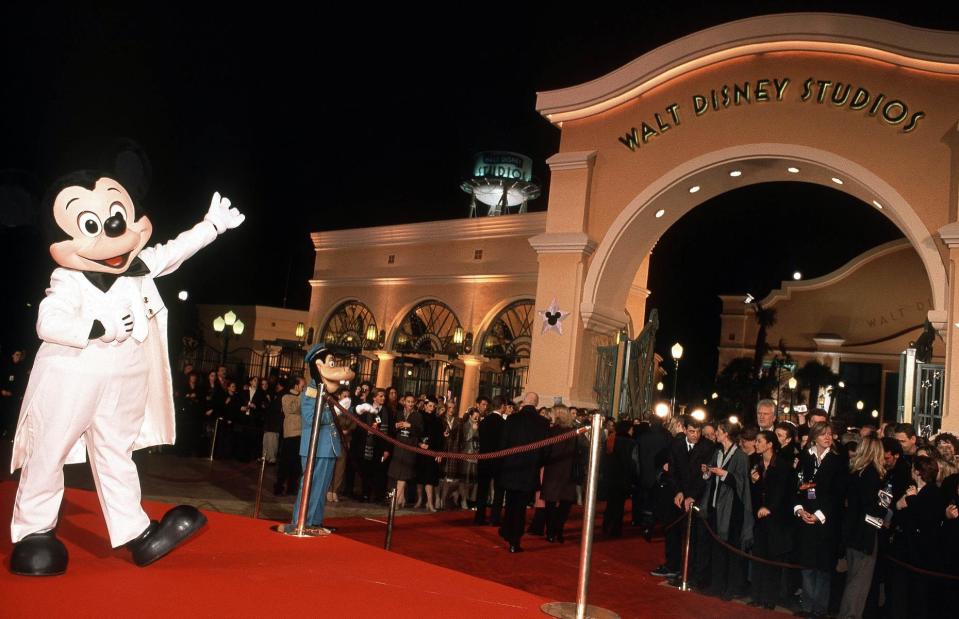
column 39, row 554
column 176, row 526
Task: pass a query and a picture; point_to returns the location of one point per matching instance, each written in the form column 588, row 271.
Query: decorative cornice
column 922, row 49
column 643, row 292
column 563, row 243
column 502, row 226
column 432, row 280
column 573, row 160
column 949, row 234
column 601, row 319
column 789, row 287
column 824, row 343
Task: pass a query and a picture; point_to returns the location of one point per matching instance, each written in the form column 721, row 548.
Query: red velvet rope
column 911, row 568
column 502, row 453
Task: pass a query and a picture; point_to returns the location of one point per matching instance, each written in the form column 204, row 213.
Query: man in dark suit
column 687, row 453
column 490, row 434
column 519, row 474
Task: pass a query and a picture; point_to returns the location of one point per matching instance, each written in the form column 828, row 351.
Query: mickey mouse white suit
column 106, row 397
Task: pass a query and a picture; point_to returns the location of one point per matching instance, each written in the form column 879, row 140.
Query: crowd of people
column 868, row 516
column 815, row 516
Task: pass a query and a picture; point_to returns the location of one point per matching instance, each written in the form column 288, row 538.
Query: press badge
column 311, row 392
column 811, row 493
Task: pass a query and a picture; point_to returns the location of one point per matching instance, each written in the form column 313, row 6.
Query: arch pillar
column 558, row 362
column 384, row 371
column 950, row 397
column 471, row 381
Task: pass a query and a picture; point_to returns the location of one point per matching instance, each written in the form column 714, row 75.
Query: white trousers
column 98, row 393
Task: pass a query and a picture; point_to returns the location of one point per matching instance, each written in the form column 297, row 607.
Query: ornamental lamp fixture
column 229, row 318
column 662, row 410
column 859, row 405
column 300, row 330
column 238, row 327
column 458, row 335
column 219, row 324
column 677, row 351
column 793, row 383
column 371, row 333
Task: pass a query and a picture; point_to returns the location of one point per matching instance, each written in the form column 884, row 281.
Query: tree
column 765, row 318
column 735, row 386
column 814, row 375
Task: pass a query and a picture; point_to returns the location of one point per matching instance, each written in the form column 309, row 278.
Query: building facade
column 863, row 105
column 857, row 321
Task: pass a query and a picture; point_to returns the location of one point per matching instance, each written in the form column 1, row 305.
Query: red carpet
column 620, row 579
column 237, row 567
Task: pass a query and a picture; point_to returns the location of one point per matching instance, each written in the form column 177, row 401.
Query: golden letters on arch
column 816, row 91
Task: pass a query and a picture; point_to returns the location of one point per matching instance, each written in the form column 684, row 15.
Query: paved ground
column 221, row 485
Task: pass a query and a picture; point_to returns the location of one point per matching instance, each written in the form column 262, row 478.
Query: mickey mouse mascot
column 101, row 380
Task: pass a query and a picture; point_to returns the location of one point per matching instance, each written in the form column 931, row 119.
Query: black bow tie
column 104, row 281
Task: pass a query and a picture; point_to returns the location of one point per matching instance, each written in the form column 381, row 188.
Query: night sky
column 314, row 120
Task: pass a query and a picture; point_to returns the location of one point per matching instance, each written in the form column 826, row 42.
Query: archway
column 773, row 98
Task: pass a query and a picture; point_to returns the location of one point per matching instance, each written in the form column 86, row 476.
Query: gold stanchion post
column 259, row 489
column 389, row 520
column 580, row 609
column 301, row 530
column 684, row 586
column 216, row 426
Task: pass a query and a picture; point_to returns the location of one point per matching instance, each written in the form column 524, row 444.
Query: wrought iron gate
column 625, row 374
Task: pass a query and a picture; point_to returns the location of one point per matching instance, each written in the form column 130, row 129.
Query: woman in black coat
column 859, row 534
column 559, row 483
column 916, row 524
column 773, row 489
column 427, row 468
column 407, row 429
column 817, row 511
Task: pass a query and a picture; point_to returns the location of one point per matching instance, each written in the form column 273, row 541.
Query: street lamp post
column 677, row 353
column 793, row 383
column 220, row 324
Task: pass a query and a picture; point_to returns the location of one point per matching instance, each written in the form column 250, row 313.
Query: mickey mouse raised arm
column 101, row 380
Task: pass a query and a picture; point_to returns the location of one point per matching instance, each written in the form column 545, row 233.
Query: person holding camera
column 865, row 509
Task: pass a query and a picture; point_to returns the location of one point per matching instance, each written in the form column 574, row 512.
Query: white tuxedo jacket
column 66, row 316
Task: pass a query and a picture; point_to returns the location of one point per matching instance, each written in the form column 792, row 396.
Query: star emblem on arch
column 553, row 317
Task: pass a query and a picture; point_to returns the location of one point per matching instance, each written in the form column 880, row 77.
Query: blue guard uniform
column 328, row 448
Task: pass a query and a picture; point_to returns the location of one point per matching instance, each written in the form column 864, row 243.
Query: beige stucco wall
column 866, row 302
column 262, row 323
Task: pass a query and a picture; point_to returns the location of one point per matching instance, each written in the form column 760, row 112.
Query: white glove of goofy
column 102, row 370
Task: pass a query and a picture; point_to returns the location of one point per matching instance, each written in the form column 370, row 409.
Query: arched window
column 510, row 335
column 507, row 342
column 351, row 326
column 428, row 328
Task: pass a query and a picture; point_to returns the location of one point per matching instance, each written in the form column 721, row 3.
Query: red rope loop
column 502, row 453
column 745, row 554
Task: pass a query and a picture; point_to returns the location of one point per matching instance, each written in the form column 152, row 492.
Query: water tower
column 501, row 180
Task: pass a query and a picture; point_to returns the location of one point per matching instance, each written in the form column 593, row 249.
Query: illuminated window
column 427, row 328
column 391, row 259
column 510, row 334
column 348, row 326
column 477, row 254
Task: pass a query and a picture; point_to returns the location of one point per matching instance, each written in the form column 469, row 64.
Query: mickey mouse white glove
column 117, row 324
column 222, row 216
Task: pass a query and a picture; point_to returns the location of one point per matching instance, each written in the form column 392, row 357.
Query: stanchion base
column 567, row 610
column 290, row 530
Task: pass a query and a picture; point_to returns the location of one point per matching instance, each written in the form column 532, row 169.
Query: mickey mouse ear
column 132, row 167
